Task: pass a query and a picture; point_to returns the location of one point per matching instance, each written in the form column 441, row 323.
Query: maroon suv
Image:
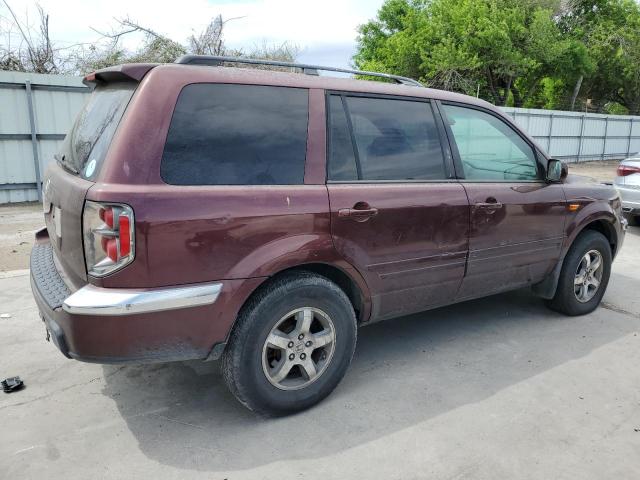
column 200, row 211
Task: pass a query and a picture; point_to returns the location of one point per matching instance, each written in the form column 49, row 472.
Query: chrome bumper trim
column 92, row 300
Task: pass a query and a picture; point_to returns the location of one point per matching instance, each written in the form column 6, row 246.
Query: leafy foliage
column 531, row 53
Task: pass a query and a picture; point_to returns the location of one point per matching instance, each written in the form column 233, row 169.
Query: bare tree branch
column 17, row 23
column 37, row 53
column 39, row 56
column 210, row 41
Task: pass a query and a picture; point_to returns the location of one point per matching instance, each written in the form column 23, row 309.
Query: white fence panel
column 577, row 136
column 49, row 103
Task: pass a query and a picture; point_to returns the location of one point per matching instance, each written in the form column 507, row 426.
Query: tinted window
column 489, row 148
column 342, row 164
column 85, row 146
column 237, row 135
column 394, row 139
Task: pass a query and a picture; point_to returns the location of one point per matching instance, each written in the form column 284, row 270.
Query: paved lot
column 499, row 388
column 603, row 171
column 496, row 388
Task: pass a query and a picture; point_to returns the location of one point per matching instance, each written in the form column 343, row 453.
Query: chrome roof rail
column 216, row 61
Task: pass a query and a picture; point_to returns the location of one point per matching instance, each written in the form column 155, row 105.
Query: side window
column 237, row 135
column 490, row 149
column 342, row 160
column 394, row 140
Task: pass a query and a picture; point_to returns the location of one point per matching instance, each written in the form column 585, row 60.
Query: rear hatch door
column 77, row 166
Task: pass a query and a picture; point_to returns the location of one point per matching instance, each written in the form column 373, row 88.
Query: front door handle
column 361, row 212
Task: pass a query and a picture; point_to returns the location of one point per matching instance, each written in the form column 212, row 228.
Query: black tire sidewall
column 251, row 383
column 565, row 299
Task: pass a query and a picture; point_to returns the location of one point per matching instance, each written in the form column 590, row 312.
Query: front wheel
column 291, row 345
column 584, row 275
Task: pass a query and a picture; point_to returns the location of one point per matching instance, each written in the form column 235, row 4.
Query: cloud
column 324, row 29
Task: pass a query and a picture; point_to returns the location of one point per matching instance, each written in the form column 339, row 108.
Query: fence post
column 629, row 139
column 580, row 139
column 549, row 135
column 34, row 140
column 604, row 139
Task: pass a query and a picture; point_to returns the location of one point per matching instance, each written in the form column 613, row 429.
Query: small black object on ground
column 12, row 384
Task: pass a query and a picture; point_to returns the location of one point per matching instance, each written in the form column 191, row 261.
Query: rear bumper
column 105, row 325
column 91, row 300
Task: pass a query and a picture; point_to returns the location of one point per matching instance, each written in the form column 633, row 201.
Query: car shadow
column 405, row 371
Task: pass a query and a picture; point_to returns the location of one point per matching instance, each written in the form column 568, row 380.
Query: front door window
column 490, row 150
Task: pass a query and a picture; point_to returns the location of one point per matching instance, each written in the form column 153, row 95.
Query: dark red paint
column 427, row 245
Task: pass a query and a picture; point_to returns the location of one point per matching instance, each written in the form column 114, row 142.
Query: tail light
column 624, row 170
column 108, row 237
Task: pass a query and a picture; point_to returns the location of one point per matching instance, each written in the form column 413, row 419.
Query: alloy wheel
column 298, row 348
column 588, row 276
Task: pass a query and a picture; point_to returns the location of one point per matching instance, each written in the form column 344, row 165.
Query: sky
column 325, row 30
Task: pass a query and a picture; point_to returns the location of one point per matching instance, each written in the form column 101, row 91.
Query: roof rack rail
column 216, row 61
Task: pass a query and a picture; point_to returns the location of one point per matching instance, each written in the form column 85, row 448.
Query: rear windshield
column 85, row 146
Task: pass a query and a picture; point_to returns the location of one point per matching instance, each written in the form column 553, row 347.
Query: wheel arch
column 348, row 279
column 606, row 228
column 547, row 287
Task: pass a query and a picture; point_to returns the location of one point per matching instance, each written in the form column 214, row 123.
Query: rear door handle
column 488, row 206
column 358, row 214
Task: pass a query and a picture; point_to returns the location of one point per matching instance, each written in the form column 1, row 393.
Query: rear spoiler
column 126, row 72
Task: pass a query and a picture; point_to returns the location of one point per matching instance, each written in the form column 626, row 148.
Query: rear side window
column 391, row 140
column 237, row 135
column 85, row 146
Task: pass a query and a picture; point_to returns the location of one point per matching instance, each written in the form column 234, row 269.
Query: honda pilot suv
column 199, row 211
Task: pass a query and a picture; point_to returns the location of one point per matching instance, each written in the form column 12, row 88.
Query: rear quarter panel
column 201, row 234
column 190, row 234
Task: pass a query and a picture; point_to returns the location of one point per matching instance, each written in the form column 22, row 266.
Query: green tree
column 505, row 49
column 614, row 44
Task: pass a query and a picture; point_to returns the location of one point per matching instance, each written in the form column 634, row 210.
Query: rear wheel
column 584, row 275
column 291, row 345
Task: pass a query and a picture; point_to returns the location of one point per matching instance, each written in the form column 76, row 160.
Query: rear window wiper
column 61, row 162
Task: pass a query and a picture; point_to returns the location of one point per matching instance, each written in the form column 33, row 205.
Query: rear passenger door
column 397, row 213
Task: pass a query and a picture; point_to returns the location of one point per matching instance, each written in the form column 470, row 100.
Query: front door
column 517, row 218
column 397, row 213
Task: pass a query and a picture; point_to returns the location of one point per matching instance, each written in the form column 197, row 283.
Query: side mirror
column 557, row 171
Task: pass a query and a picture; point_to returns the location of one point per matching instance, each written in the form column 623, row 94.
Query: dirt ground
column 603, row 171
column 18, row 222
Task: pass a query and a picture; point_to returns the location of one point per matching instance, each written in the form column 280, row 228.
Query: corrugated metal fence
column 36, row 111
column 578, row 137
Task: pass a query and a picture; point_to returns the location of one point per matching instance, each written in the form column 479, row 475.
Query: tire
column 566, row 299
column 250, row 363
column 632, row 219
